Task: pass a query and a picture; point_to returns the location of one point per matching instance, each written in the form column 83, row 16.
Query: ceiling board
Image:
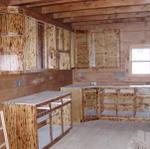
column 91, row 5
column 102, row 11
column 106, row 17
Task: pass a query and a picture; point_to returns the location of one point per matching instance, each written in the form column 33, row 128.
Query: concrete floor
column 101, row 135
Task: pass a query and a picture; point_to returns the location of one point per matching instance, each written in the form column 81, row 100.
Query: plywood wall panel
column 67, row 40
column 64, row 61
column 60, row 39
column 12, row 24
column 107, row 48
column 50, row 38
column 30, row 50
column 82, row 52
column 73, row 49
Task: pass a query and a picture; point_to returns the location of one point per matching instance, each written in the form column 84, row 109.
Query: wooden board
column 82, row 52
column 11, row 52
column 76, row 103
column 64, row 61
column 50, row 47
column 60, row 40
column 21, row 131
column 67, row 40
column 30, row 51
column 12, row 24
column 106, row 48
column 73, row 48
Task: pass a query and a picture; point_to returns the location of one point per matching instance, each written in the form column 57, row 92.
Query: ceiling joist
column 51, row 3
column 21, row 2
column 103, row 11
column 91, row 5
column 126, row 20
column 106, row 17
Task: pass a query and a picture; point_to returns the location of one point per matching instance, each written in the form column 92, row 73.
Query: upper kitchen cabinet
column 12, row 24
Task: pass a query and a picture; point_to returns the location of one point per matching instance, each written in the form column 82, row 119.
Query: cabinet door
column 90, row 103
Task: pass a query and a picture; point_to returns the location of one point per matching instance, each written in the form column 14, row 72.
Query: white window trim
column 130, row 60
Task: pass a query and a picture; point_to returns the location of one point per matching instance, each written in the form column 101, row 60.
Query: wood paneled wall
column 131, row 34
column 13, row 86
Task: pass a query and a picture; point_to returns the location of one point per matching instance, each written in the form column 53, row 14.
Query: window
column 140, row 60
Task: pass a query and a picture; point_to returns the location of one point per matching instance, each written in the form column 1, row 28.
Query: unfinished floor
column 101, row 135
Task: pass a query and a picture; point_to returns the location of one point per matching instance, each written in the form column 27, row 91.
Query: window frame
column 130, row 59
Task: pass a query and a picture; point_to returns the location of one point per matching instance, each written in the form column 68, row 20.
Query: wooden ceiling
column 81, row 13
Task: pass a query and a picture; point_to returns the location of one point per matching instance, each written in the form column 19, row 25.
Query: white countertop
column 38, row 98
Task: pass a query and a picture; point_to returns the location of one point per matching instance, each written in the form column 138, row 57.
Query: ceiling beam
column 51, row 3
column 106, row 17
column 36, row 15
column 91, row 5
column 102, row 11
column 21, row 2
column 4, row 2
column 129, row 20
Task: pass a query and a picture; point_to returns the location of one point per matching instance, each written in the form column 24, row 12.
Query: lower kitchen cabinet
column 39, row 120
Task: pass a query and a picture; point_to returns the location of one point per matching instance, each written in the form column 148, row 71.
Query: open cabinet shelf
column 114, row 104
column 39, row 120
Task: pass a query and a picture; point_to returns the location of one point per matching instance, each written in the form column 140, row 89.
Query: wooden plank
column 106, row 17
column 73, row 47
column 50, row 51
column 67, row 40
column 12, row 24
column 30, row 50
column 91, row 5
column 82, row 52
column 25, row 136
column 12, row 48
column 20, row 2
column 39, row 4
column 125, row 20
column 103, row 11
column 76, row 103
column 64, row 61
column 36, row 15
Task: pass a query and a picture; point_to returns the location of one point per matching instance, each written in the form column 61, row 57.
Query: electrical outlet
column 19, row 83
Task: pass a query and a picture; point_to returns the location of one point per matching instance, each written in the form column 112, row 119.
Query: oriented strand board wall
column 11, row 53
column 30, row 51
column 50, row 46
column 107, row 48
column 82, row 52
column 131, row 34
column 11, row 24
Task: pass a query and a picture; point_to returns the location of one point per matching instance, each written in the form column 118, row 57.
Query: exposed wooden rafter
column 40, row 17
column 106, row 17
column 51, row 3
column 20, row 2
column 126, row 20
column 91, row 5
column 102, row 11
column 4, row 2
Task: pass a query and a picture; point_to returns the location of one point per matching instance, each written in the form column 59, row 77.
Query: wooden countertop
column 38, row 98
column 141, row 89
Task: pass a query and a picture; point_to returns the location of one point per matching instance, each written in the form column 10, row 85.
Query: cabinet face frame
column 116, row 105
column 25, row 121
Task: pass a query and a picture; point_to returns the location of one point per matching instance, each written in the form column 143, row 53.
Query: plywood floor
column 101, row 135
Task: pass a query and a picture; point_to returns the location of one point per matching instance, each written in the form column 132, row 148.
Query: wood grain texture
column 30, row 50
column 24, row 136
column 50, row 47
column 103, row 11
column 12, row 24
column 64, row 61
column 82, row 52
column 91, row 5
